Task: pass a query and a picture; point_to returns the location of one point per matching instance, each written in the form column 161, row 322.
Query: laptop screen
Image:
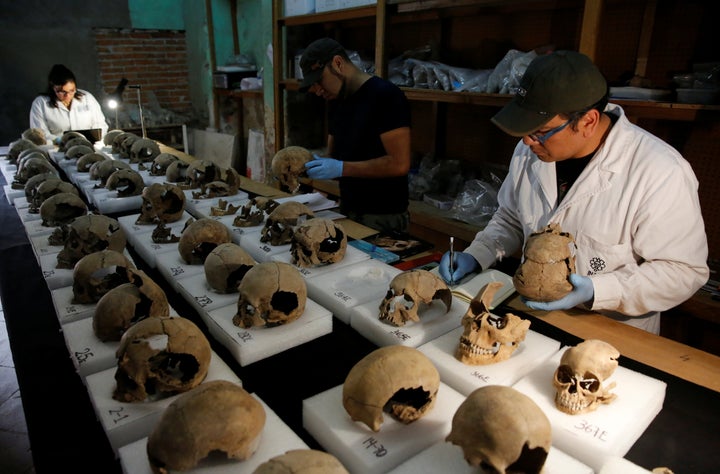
column 92, row 134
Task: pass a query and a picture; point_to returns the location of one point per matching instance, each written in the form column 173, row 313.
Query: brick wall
column 155, row 59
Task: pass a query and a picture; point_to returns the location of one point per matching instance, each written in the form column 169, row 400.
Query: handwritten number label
column 203, row 300
column 481, row 376
column 401, row 335
column 83, row 356
column 346, row 298
column 373, row 445
column 245, row 336
column 592, row 430
column 117, row 415
column 175, row 271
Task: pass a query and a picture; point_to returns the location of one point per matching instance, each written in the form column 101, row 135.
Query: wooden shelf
column 367, row 11
column 239, row 93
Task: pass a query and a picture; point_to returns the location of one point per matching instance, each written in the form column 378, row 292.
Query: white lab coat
column 84, row 113
column 634, row 213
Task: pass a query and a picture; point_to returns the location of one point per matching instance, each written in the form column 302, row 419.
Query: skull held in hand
column 581, row 378
column 270, row 294
column 399, row 380
column 410, row 291
column 548, row 261
column 318, row 242
column 215, row 416
column 488, row 338
column 500, row 428
column 288, row 164
column 159, row 357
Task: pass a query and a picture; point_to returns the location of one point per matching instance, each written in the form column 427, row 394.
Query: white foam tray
column 36, row 227
column 196, row 291
column 135, row 232
column 261, row 251
column 25, row 214
column 315, row 201
column 447, row 457
column 237, row 232
column 174, row 268
column 55, row 277
column 435, row 320
column 88, row 353
column 341, row 289
column 149, row 250
column 66, row 310
column 109, row 202
column 465, row 378
column 125, row 422
column 360, row 449
column 352, row 255
column 41, row 246
column 610, row 430
column 276, row 439
column 12, row 194
column 257, row 343
column 201, row 206
column 21, row 202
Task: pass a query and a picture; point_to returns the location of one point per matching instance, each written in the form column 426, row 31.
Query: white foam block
column 36, row 227
column 66, row 310
column 464, row 378
column 149, row 250
column 12, row 194
column 276, row 439
column 257, row 343
column 196, row 291
column 261, row 251
column 610, row 430
column 125, row 422
column 352, row 255
column 237, row 232
column 341, row 289
column 25, row 214
column 110, row 202
column 88, row 353
column 622, row 466
column 315, row 201
column 55, row 277
column 174, row 268
column 435, row 320
column 8, row 171
column 41, row 246
column 360, row 449
column 21, row 202
column 447, row 457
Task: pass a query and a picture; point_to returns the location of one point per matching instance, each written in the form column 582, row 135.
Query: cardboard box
column 299, row 7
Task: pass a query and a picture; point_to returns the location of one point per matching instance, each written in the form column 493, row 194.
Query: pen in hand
column 452, row 261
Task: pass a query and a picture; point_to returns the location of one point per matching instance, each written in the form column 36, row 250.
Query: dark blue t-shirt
column 356, row 124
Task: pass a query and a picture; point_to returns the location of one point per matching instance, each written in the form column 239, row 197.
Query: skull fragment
column 61, row 209
column 177, row 173
column 88, row 234
column 488, row 338
column 399, row 380
column 160, row 357
column 411, row 291
column 160, row 164
column 84, row 163
column 35, row 135
column 77, row 151
column 280, row 223
column 110, row 136
column 126, row 183
column 17, row 147
column 48, row 188
column 27, row 168
column 298, row 461
column 128, row 303
column 255, row 211
column 143, row 150
column 99, row 272
column 201, row 172
column 502, row 429
column 270, row 294
column 200, row 237
column 288, row 164
column 226, row 266
column 548, row 261
column 217, row 415
column 581, row 378
column 161, row 203
column 101, row 170
column 318, row 242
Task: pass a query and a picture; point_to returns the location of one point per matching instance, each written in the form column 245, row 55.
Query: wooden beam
column 643, row 52
column 592, row 15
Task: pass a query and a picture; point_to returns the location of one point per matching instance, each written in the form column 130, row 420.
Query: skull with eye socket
column 318, row 242
column 280, row 223
column 488, row 338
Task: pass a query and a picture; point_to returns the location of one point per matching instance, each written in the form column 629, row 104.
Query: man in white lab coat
column 629, row 199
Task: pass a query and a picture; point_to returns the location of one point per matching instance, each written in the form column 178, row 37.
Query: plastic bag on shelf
column 507, row 74
column 477, row 202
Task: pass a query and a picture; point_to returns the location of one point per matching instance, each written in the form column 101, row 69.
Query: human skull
column 280, row 223
column 118, row 141
column 62, row 208
column 88, row 234
column 29, row 168
column 77, row 151
column 254, row 211
column 34, row 182
column 84, row 163
column 488, row 338
column 501, row 429
column 128, row 303
column 226, row 266
column 35, row 135
column 548, row 261
column 33, row 152
column 581, row 378
column 161, row 203
column 318, row 242
column 200, row 237
column 410, row 291
column 202, row 172
column 396, row 379
column 270, row 294
column 288, row 164
column 177, row 173
column 126, row 144
column 102, row 170
column 161, row 162
column 48, row 188
column 110, row 136
column 298, row 461
column 144, row 150
column 213, row 189
column 17, row 147
column 127, row 182
column 66, row 137
column 159, row 357
column 218, row 415
column 97, row 273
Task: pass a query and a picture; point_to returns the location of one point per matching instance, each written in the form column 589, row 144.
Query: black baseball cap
column 559, row 82
column 314, row 59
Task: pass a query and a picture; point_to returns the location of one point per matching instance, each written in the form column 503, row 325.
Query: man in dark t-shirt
column 368, row 146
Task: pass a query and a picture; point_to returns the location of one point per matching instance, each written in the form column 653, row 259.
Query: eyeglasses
column 542, row 137
column 64, row 92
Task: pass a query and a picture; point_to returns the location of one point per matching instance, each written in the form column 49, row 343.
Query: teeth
column 474, row 349
column 572, row 404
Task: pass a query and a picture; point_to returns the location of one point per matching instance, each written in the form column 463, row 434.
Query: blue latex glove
column 582, row 292
column 324, row 168
column 463, row 263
